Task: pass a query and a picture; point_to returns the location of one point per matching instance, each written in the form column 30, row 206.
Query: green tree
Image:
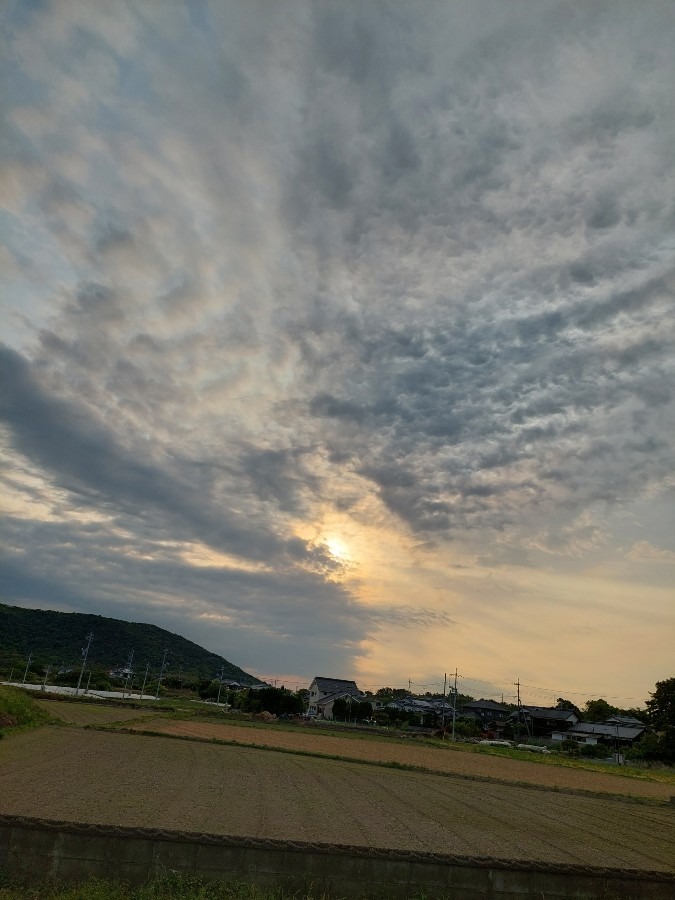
column 661, row 707
column 570, row 747
column 598, row 710
column 467, row 728
column 384, row 692
column 353, row 710
column 562, row 703
column 273, row 700
column 208, row 689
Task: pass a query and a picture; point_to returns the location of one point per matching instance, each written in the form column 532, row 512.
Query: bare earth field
column 90, row 713
column 136, row 780
column 432, row 758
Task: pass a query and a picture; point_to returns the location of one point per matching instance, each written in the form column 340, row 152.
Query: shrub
column 570, row 747
column 654, row 747
column 595, row 751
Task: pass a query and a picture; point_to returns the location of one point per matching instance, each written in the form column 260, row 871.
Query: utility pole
column 220, row 684
column 86, row 690
column 454, row 707
column 161, row 672
column 129, row 664
column 44, row 683
column 85, row 654
column 521, row 714
column 25, row 674
column 445, row 683
column 145, row 678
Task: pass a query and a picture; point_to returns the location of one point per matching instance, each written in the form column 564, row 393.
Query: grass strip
column 564, row 762
column 164, row 887
column 19, row 711
column 382, row 764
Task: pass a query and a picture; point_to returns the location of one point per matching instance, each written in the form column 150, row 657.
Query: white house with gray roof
column 321, row 688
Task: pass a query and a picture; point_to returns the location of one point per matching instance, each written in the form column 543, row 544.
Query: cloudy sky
column 338, row 336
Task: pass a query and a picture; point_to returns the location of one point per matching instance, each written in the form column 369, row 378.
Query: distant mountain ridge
column 56, row 638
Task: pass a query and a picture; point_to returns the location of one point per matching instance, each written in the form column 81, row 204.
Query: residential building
column 485, row 711
column 324, row 687
column 601, row 733
column 541, row 721
column 624, row 720
column 324, row 706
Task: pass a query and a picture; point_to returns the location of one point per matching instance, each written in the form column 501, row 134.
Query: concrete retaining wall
column 33, row 849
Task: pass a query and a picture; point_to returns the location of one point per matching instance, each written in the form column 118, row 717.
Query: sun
column 338, row 549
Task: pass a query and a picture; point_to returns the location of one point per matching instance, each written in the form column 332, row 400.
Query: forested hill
column 56, row 638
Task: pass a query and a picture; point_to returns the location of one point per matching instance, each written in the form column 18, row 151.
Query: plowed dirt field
column 134, row 780
column 432, row 758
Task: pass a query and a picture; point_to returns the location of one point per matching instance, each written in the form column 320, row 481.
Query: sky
column 338, row 336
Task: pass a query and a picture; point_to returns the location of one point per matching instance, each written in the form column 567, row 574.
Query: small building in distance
column 612, row 734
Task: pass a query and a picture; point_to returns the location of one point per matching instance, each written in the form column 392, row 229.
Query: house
column 624, row 720
column 485, row 711
column 541, row 721
column 591, row 733
column 121, row 672
column 324, row 706
column 324, row 687
column 427, row 710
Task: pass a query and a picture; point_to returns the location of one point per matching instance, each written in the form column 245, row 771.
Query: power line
column 579, row 693
column 495, row 687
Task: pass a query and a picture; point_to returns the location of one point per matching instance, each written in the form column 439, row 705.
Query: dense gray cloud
column 267, row 261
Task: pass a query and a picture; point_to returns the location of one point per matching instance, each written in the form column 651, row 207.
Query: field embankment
column 18, row 710
column 434, row 759
column 91, row 713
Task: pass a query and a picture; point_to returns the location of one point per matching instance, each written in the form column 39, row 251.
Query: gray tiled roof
column 490, row 705
column 545, row 712
column 624, row 720
column 625, row 732
column 333, row 685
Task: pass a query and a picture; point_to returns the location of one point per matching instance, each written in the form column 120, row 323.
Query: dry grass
column 134, row 780
column 435, row 759
column 90, row 713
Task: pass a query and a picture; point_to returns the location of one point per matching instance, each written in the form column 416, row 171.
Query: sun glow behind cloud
column 340, row 336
